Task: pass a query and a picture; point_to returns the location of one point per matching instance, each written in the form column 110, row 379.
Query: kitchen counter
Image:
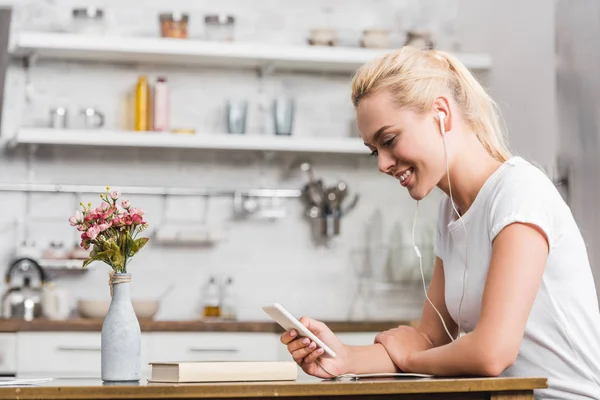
column 381, row 388
column 95, row 325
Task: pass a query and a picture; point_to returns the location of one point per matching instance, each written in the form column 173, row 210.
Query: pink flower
column 85, row 244
column 114, row 195
column 125, row 204
column 137, row 219
column 82, row 228
column 76, row 219
column 104, row 206
column 117, row 221
column 93, row 232
column 128, row 220
column 137, row 211
column 103, row 227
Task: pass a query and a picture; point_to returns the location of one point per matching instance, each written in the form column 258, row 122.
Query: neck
column 468, row 173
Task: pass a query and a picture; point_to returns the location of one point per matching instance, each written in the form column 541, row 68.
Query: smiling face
column 408, row 144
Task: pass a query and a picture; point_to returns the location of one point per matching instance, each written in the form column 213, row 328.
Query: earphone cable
column 423, row 275
column 464, row 228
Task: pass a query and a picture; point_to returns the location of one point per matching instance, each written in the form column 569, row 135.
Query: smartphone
column 287, row 322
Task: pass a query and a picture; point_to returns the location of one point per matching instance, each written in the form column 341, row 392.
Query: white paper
column 22, row 382
column 384, row 375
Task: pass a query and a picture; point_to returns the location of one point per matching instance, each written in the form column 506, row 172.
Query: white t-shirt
column 562, row 334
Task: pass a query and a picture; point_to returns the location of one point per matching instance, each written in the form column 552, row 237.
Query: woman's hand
column 401, row 341
column 306, row 352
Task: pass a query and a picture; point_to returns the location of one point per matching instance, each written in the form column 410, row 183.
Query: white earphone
column 441, row 117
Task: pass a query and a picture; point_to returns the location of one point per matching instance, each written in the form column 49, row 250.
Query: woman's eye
column 388, row 142
column 374, row 153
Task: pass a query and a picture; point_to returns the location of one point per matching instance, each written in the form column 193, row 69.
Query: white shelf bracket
column 28, row 61
column 266, row 69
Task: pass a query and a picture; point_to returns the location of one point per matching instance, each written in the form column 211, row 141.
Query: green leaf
column 140, row 243
column 132, row 246
column 87, row 262
column 119, row 260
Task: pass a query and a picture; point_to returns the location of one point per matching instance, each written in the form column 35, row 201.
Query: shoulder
column 519, row 177
column 523, row 193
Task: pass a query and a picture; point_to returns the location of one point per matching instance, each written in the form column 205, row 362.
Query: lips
column 403, row 176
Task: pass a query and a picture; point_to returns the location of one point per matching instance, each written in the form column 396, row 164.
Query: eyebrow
column 379, row 133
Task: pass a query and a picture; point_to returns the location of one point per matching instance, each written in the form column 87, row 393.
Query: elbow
column 493, row 367
column 495, row 359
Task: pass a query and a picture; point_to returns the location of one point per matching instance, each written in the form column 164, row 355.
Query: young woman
column 512, row 292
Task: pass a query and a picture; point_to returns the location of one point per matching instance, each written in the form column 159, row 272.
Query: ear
column 442, row 105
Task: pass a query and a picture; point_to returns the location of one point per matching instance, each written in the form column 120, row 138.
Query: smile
column 404, row 176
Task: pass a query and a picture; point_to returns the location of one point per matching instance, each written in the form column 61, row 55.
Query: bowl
column 144, row 309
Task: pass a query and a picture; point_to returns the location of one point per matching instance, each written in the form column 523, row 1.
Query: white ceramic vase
column 121, row 336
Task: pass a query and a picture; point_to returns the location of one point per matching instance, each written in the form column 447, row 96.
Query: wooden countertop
column 95, row 325
column 471, row 388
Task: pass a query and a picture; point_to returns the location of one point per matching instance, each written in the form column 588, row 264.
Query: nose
column 385, row 163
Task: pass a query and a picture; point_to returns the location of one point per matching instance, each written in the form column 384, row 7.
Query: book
column 223, row 371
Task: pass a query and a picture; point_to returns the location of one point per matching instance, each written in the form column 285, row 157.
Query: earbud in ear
column 441, row 116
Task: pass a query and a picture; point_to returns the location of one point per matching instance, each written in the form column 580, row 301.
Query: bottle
column 161, row 105
column 227, row 300
column 142, row 104
column 212, row 306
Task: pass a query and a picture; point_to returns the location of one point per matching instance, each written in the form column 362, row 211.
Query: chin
column 418, row 193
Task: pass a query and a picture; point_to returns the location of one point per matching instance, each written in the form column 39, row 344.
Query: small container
column 212, row 300
column 283, row 115
column 420, row 40
column 174, row 25
column 375, row 39
column 56, row 251
column 219, row 27
column 161, row 105
column 236, row 112
column 88, row 20
column 322, row 37
column 58, row 118
column 228, row 303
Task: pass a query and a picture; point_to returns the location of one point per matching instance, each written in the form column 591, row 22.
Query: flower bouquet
column 111, row 230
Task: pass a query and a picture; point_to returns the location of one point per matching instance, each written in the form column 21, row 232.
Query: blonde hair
column 415, row 77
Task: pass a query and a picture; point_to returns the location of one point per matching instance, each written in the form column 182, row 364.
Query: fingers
column 313, row 325
column 300, row 349
column 287, row 336
column 313, row 355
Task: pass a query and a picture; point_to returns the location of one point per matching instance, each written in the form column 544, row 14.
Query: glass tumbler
column 236, row 111
column 283, row 115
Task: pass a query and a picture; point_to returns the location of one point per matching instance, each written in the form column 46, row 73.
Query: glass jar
column 219, row 27
column 174, row 25
column 88, row 20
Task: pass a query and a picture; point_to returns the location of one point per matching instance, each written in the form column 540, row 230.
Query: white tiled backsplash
column 270, row 261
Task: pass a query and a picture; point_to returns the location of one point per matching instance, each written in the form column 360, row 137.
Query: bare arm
column 518, row 259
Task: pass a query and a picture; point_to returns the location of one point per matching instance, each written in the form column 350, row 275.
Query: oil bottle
column 142, row 104
column 212, row 301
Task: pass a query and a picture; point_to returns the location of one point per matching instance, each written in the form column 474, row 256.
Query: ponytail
column 416, row 77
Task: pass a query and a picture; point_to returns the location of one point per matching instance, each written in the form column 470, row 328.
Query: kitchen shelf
column 218, row 141
column 67, row 46
column 62, row 264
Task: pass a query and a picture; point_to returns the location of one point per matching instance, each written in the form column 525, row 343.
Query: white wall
column 269, row 261
column 519, row 35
